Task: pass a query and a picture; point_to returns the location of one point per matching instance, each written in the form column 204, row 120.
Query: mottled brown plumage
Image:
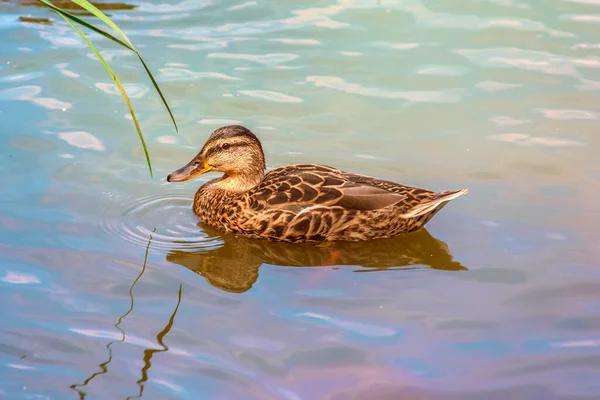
column 302, row 202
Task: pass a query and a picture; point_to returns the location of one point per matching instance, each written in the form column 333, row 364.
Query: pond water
column 111, row 289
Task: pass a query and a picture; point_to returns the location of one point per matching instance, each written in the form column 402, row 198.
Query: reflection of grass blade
column 104, row 366
column 117, row 82
column 149, row 353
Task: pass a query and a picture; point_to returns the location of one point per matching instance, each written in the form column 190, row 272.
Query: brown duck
column 301, row 202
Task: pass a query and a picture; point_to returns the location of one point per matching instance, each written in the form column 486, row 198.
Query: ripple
column 21, row 77
column 317, row 16
column 442, row 70
column 243, row 5
column 165, row 8
column 360, row 328
column 52, row 104
column 536, row 61
column 134, row 91
column 69, row 73
column 271, row 96
column 336, row 83
column 567, row 114
column 219, row 121
column 112, row 55
column 83, row 140
column 527, row 140
column 266, row 59
column 31, row 93
column 397, row 46
column 167, row 139
column 583, row 18
column 508, row 121
column 493, row 86
column 20, row 93
column 296, row 41
column 594, row 2
column 19, row 278
column 182, row 74
column 168, row 218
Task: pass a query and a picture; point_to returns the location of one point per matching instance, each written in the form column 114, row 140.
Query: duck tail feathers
column 435, row 204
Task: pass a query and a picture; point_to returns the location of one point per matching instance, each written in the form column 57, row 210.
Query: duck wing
column 298, row 187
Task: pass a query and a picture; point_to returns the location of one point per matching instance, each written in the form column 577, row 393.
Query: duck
column 300, row 203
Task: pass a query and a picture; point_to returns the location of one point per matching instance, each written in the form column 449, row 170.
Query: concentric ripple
column 168, row 218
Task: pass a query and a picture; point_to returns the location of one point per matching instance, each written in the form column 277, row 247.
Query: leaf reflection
column 104, row 365
column 234, row 266
column 148, row 352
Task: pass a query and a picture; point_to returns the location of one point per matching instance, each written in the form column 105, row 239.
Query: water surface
column 112, row 289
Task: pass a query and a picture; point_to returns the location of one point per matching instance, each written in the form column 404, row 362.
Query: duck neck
column 239, row 182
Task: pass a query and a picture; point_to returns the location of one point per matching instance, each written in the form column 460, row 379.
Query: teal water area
column 111, row 289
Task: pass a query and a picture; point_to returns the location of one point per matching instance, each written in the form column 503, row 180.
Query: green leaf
column 158, row 90
column 102, row 17
column 107, row 35
column 80, row 21
column 117, row 82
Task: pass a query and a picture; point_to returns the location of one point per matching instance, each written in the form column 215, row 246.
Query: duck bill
column 191, row 170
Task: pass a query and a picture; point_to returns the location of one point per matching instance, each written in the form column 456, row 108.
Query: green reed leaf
column 80, row 21
column 115, row 78
column 102, row 17
column 125, row 43
column 159, row 91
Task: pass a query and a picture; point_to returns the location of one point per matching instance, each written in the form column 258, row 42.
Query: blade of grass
column 102, row 17
column 119, row 86
column 80, row 21
column 159, row 91
column 99, row 14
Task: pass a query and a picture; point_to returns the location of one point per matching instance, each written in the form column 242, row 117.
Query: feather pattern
column 313, row 203
column 300, row 202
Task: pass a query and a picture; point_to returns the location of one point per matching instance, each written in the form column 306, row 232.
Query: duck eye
column 225, row 146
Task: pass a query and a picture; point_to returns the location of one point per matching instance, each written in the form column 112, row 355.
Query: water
column 110, row 287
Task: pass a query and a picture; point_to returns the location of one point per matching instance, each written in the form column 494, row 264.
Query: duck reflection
column 234, row 266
